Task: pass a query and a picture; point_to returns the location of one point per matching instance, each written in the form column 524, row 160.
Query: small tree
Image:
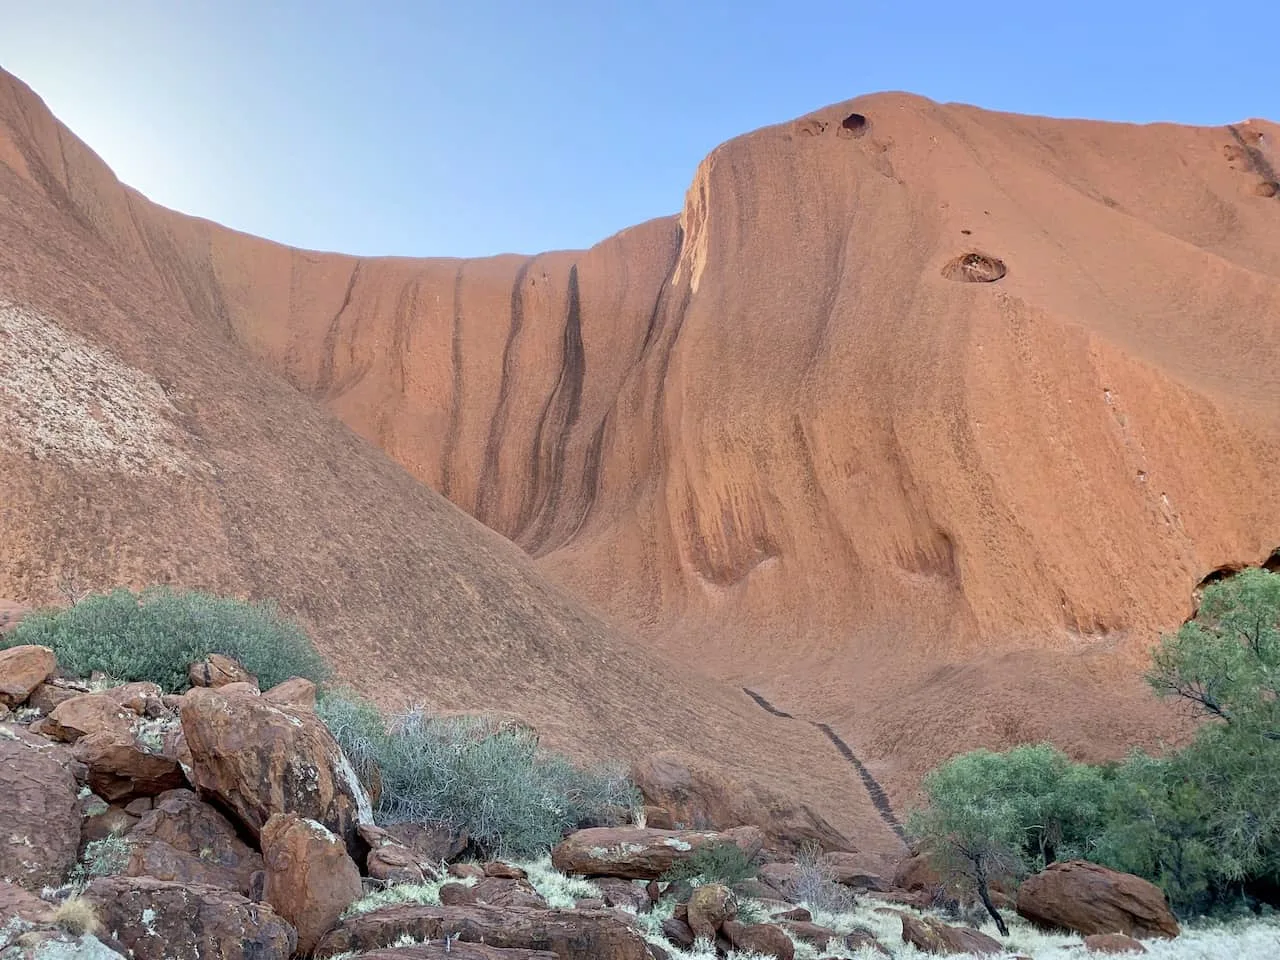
column 1226, row 661
column 993, row 815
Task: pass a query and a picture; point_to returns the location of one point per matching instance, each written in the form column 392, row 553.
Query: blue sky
column 486, row 126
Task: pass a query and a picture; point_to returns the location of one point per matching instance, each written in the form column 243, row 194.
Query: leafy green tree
column 1226, row 661
column 996, row 815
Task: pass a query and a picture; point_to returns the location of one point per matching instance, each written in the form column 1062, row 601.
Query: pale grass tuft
column 559, row 891
column 77, row 917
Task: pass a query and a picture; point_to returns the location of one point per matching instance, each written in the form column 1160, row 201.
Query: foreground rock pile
column 236, row 828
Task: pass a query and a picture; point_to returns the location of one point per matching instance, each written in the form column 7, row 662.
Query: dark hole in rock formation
column 854, row 125
column 974, row 268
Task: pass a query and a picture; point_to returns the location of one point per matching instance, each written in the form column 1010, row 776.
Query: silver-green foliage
column 157, row 634
column 512, row 797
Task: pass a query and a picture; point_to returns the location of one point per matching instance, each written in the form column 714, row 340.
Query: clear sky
column 486, row 126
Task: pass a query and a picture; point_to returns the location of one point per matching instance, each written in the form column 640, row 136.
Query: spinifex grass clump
column 158, row 634
column 512, row 797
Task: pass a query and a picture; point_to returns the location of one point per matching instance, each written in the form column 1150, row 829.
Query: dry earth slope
column 780, row 436
column 140, row 443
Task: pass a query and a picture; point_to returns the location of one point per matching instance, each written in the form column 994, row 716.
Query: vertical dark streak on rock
column 487, row 490
column 879, row 798
column 324, row 376
column 455, row 398
column 555, row 425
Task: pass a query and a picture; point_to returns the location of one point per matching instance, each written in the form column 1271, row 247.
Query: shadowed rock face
column 773, row 434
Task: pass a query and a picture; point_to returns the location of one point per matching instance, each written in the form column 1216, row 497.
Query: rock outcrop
column 185, row 840
column 1088, row 899
column 635, row 853
column 310, row 879
column 930, row 935
column 258, row 760
column 22, row 669
column 569, row 934
column 39, row 812
column 160, row 920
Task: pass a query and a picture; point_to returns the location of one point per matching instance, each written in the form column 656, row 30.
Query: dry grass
column 76, row 917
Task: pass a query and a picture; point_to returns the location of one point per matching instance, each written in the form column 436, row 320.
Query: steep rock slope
column 140, row 443
column 781, row 437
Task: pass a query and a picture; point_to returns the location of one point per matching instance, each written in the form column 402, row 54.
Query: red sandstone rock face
column 267, row 494
column 776, row 434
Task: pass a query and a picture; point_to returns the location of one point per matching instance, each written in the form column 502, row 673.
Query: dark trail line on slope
column 879, row 799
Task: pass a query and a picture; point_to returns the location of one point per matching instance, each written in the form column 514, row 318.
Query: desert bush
column 102, row 858
column 815, row 884
column 157, row 634
column 512, row 797
column 724, row 863
column 1203, row 822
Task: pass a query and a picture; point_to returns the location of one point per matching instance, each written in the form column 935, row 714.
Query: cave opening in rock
column 854, row 125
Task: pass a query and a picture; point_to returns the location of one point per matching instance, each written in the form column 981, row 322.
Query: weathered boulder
column 763, row 939
column 570, row 934
column 310, row 878
column 293, row 693
column 1088, row 898
column 393, row 863
column 184, row 839
column 142, row 697
column 121, row 767
column 504, row 871
column 811, row 933
column 466, row 871
column 686, row 794
column 22, row 669
column 930, row 935
column 88, row 713
column 49, row 694
column 258, row 760
column 854, row 870
column 20, row 903
column 39, row 811
column 709, row 907
column 623, row 893
column 635, row 853
column 218, row 670
column 101, row 820
column 454, row 950
column 432, row 844
column 678, row 932
column 864, row 940
column 162, row 920
column 1112, row 943
column 495, row 892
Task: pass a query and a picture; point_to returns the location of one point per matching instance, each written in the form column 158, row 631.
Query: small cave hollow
column 1273, row 562
column 854, row 125
column 1267, row 188
column 1218, row 575
column 974, row 268
column 810, row 127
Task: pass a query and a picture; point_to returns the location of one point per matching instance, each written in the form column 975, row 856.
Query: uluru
column 910, row 433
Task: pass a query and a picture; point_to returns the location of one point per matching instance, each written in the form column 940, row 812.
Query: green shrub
column 724, row 863
column 513, row 798
column 1203, row 822
column 158, row 634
